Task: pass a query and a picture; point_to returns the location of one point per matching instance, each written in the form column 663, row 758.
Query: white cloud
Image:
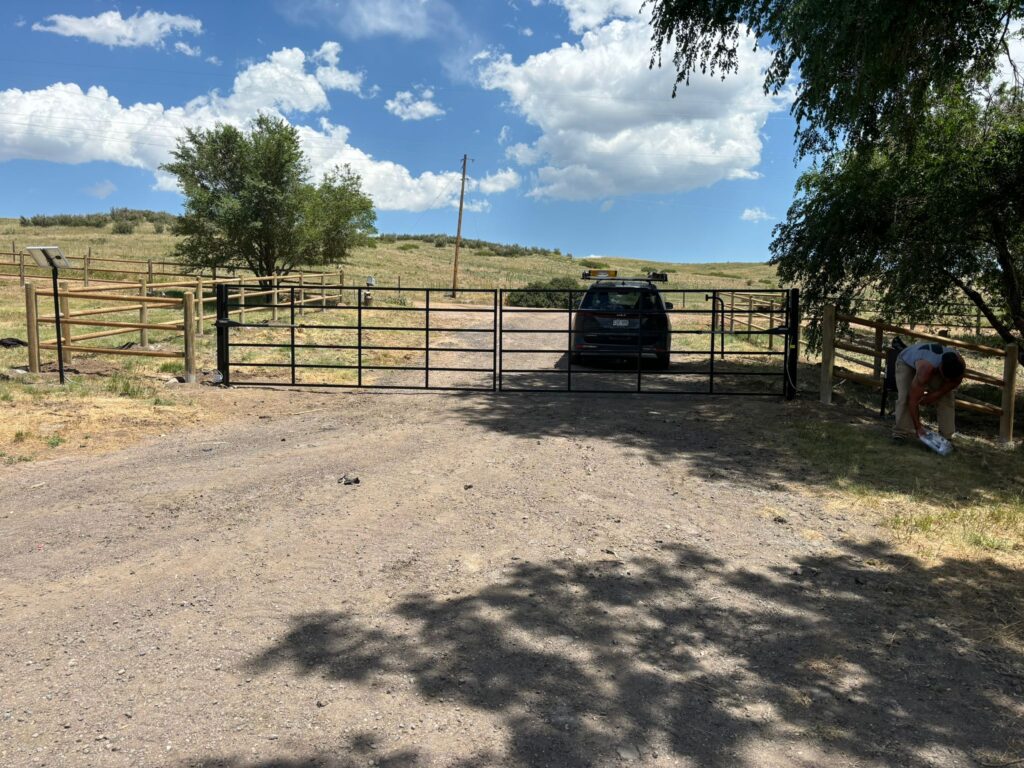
column 501, row 181
column 526, row 32
column 214, row 60
column 588, row 14
column 110, row 28
column 608, row 123
column 409, row 106
column 63, row 123
column 102, row 189
column 755, row 215
column 607, row 205
column 189, row 50
column 328, row 74
column 503, row 134
column 408, row 19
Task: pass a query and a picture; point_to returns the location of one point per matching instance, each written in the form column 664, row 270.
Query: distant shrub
column 409, row 247
column 158, row 228
column 559, row 298
column 98, row 219
column 123, row 227
column 595, row 264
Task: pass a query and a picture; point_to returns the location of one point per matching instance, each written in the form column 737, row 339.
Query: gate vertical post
column 223, row 360
column 711, row 362
column 792, row 356
column 494, row 342
column 359, row 334
column 568, row 346
column 291, row 325
column 501, row 337
column 426, row 342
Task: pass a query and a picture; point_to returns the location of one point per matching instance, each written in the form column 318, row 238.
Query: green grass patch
column 125, row 385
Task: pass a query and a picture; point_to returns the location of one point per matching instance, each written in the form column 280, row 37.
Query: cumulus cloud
column 755, row 215
column 587, row 14
column 328, row 74
column 110, row 28
column 409, row 106
column 501, row 181
column 101, row 190
column 63, row 123
column 608, row 125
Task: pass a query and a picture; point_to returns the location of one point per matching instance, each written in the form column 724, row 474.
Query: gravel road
column 531, row 580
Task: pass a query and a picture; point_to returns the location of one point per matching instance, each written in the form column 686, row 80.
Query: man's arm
column 933, row 397
column 925, row 371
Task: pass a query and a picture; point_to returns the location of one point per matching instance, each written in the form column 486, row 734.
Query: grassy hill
column 417, row 262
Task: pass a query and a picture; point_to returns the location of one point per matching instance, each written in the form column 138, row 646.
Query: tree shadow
column 865, row 656
column 763, row 441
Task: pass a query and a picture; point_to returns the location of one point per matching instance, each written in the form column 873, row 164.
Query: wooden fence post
column 200, row 308
column 302, row 295
column 771, row 323
column 188, row 306
column 149, row 270
column 323, row 291
column 275, row 286
column 32, row 321
column 85, row 270
column 21, row 264
column 879, row 343
column 1010, row 362
column 828, row 352
column 750, row 316
column 65, row 329
column 241, row 303
column 732, row 312
column 143, row 313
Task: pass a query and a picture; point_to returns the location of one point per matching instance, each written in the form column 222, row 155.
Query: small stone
column 349, row 479
column 467, row 486
column 780, row 520
column 629, row 752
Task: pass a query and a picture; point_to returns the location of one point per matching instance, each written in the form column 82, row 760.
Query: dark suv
column 621, row 318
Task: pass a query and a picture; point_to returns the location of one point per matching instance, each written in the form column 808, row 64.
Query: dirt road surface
column 516, row 580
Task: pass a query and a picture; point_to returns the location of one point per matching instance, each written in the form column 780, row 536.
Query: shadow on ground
column 863, row 658
column 760, row 441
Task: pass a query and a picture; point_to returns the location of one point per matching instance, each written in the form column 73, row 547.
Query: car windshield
column 618, row 299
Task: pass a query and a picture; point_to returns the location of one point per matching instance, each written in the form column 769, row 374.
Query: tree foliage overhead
column 925, row 225
column 865, row 66
column 249, row 202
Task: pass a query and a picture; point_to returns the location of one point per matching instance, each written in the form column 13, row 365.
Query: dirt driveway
column 515, row 581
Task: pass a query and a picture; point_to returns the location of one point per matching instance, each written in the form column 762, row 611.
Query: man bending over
column 926, row 374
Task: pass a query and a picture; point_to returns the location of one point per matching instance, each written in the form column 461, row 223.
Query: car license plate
column 620, row 323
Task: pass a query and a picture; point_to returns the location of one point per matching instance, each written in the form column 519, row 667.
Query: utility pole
column 458, row 234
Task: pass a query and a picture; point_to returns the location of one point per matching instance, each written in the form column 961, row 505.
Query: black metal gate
column 716, row 343
column 375, row 338
column 720, row 342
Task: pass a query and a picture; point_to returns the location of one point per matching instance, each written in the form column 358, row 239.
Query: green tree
column 867, row 67
column 248, row 201
column 925, row 225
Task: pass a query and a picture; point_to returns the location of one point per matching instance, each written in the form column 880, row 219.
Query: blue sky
column 574, row 142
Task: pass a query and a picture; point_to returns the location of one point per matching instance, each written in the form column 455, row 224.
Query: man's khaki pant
column 946, row 406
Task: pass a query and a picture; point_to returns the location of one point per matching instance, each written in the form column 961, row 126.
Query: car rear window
column 618, row 299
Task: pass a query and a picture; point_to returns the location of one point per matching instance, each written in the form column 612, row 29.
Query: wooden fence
column 873, row 349
column 124, row 308
column 749, row 312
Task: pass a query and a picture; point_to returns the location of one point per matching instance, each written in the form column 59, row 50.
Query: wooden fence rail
column 876, row 355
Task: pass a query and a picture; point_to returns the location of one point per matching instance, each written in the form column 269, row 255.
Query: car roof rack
column 613, row 274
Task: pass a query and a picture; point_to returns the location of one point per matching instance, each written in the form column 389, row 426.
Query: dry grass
column 971, row 504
